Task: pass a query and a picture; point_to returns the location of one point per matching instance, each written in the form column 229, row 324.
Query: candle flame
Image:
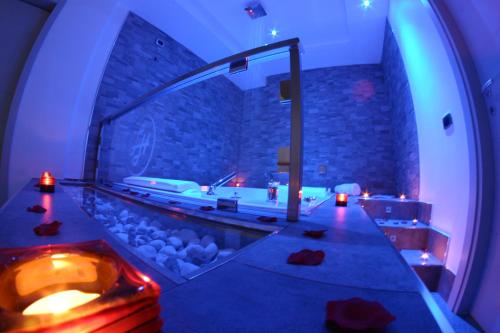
column 402, row 196
column 59, row 302
column 366, row 194
column 59, row 256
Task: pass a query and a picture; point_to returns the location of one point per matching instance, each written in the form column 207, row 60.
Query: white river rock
column 207, row 239
column 160, row 234
column 168, row 250
column 210, row 252
column 147, row 251
column 123, row 215
column 185, row 235
column 186, row 267
column 157, row 244
column 174, row 241
column 225, row 252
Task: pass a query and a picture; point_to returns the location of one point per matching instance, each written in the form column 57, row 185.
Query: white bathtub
column 250, row 200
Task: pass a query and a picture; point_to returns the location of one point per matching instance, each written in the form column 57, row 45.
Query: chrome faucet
column 220, row 182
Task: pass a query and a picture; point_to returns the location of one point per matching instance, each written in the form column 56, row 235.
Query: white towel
column 172, row 185
column 351, row 189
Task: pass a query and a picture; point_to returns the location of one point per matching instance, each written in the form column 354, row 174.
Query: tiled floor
column 257, row 291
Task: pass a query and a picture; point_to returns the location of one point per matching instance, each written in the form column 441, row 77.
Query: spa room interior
column 249, row 166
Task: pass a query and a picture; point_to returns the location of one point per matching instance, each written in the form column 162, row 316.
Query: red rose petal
column 306, row 257
column 47, row 229
column 267, row 219
column 36, row 209
column 314, row 233
column 356, row 314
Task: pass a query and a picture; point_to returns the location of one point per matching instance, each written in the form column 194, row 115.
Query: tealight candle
column 78, row 287
column 415, row 221
column 402, row 196
column 47, row 182
column 366, row 195
column 341, row 199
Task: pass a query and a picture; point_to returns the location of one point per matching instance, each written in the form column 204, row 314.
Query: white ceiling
column 332, row 32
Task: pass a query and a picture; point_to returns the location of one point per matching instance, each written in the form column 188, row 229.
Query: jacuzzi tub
column 250, row 200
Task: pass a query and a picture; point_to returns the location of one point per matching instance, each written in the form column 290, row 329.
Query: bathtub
column 250, row 200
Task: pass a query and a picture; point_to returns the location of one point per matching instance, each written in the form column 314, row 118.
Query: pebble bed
column 165, row 238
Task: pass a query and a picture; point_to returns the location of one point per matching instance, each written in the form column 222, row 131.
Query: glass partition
column 223, row 124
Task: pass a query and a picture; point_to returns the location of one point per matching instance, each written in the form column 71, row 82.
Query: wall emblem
column 142, row 145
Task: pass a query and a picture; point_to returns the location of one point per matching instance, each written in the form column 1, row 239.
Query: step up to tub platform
column 406, row 224
column 398, row 209
column 427, row 266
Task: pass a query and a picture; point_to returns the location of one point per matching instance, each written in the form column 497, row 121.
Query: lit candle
column 341, row 199
column 59, row 302
column 366, row 195
column 425, row 256
column 238, row 185
column 47, row 182
column 77, row 287
column 204, row 188
column 415, row 221
column 402, row 196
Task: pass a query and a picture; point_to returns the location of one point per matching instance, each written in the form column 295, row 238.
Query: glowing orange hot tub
column 81, row 287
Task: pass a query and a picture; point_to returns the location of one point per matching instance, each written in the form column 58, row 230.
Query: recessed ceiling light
column 366, row 4
column 273, row 33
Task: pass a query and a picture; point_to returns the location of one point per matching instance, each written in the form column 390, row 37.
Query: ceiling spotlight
column 366, row 4
column 274, row 33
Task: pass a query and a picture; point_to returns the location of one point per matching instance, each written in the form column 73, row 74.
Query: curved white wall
column 445, row 166
column 480, row 25
column 51, row 111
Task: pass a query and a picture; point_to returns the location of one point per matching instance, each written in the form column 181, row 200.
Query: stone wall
column 405, row 144
column 347, row 129
column 190, row 134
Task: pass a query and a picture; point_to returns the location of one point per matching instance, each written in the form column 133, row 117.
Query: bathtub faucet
column 220, row 182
